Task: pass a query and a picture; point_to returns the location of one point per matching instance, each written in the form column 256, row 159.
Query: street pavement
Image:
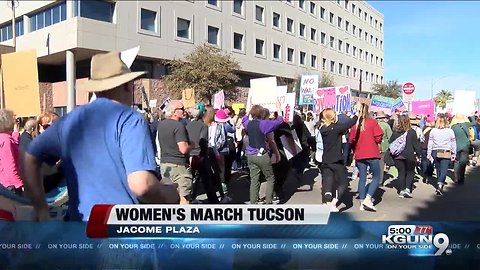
column 459, row 202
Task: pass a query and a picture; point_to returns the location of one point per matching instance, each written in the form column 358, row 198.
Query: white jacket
column 319, row 148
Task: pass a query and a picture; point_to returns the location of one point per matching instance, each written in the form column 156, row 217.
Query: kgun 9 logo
column 413, row 237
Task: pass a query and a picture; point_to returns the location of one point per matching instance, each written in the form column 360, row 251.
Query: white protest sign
column 282, row 98
column 308, row 86
column 464, row 102
column 165, row 103
column 152, row 103
column 263, row 92
column 219, row 100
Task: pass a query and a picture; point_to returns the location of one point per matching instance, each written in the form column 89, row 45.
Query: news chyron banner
column 107, row 221
column 236, row 237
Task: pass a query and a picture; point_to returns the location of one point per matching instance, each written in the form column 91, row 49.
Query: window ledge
column 260, row 56
column 184, row 40
column 238, row 51
column 149, row 33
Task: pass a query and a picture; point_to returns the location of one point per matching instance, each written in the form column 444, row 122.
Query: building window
column 331, row 17
column 276, row 51
column 347, row 26
column 366, row 56
column 340, row 45
column 371, row 21
column 381, row 29
column 183, row 28
column 376, row 60
column 381, row 79
column 61, row 111
column 323, row 36
column 148, row 20
column 381, row 44
column 371, row 39
column 348, row 71
column 238, row 41
column 238, row 7
column 301, row 4
column 259, row 46
column 332, row 40
column 371, row 58
column 347, row 48
column 376, row 25
column 302, row 58
column 361, row 54
column 376, row 79
column 289, row 25
column 354, row 29
column 6, row 31
column 353, row 8
column 213, row 35
column 276, row 20
column 48, row 17
column 346, row 4
column 354, row 51
column 324, row 63
column 313, row 61
column 366, row 76
column 96, row 10
column 313, row 8
column 290, row 54
column 302, row 30
column 371, row 77
column 365, row 15
column 313, row 34
column 289, row 1
column 366, row 36
column 332, row 66
column 359, row 12
column 259, row 13
column 322, row 13
column 376, row 42
column 354, row 72
column 360, row 33
column 339, row 22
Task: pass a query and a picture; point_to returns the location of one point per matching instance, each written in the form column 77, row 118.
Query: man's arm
column 148, row 189
column 182, row 140
column 34, row 186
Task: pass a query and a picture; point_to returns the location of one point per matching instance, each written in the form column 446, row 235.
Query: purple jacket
column 266, row 126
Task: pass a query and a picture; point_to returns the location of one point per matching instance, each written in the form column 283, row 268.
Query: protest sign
column 263, row 92
column 282, row 98
column 324, row 98
column 152, row 103
column 398, row 105
column 464, row 102
column 20, row 83
column 165, row 103
column 188, row 98
column 423, row 107
column 237, row 107
column 289, row 107
column 449, row 106
column 308, row 86
column 219, row 100
column 382, row 104
column 128, row 56
column 342, row 96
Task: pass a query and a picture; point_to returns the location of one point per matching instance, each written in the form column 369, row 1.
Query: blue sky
column 429, row 41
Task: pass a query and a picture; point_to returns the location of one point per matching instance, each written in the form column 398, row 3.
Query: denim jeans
column 460, row 165
column 362, row 166
column 441, row 166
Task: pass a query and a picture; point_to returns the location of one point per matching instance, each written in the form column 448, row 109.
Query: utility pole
column 14, row 4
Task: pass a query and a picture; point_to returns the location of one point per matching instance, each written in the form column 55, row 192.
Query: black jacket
column 332, row 140
column 412, row 147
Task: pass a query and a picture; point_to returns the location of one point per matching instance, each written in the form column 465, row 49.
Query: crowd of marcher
column 110, row 153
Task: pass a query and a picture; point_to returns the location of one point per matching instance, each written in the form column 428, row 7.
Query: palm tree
column 392, row 89
column 442, row 97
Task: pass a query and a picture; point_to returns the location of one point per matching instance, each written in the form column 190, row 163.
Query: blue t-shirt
column 99, row 144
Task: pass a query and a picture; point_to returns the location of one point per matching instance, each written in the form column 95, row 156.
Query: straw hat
column 107, row 72
column 381, row 115
column 459, row 118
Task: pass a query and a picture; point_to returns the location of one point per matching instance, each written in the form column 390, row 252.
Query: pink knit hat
column 221, row 116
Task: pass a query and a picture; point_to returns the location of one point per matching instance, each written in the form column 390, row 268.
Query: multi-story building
column 285, row 38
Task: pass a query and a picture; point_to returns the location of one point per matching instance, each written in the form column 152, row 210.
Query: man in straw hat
column 105, row 148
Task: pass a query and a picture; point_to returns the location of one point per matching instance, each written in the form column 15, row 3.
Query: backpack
column 397, row 146
column 220, row 137
column 473, row 133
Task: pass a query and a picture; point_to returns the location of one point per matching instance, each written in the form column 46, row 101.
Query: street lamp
column 434, row 82
column 13, row 4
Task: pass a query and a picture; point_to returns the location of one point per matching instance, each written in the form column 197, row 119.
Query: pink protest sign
column 423, row 107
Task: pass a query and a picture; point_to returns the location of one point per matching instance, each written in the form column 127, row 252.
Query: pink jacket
column 9, row 163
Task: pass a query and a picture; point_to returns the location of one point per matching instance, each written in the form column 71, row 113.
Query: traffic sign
column 408, row 88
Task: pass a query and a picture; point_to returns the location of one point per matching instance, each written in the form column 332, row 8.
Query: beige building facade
column 285, row 38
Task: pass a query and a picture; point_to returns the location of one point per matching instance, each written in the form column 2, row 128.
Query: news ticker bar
column 109, row 220
column 346, row 245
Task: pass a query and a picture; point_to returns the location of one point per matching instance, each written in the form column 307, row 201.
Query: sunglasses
column 180, row 109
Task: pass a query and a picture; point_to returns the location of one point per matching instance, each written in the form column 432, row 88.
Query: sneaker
column 224, row 187
column 408, row 194
column 368, row 205
column 260, row 202
column 362, row 208
column 276, row 200
column 402, row 194
column 439, row 190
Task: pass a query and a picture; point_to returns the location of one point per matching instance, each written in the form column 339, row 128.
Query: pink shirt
column 9, row 165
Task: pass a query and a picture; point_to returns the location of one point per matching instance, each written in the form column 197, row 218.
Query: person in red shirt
column 365, row 137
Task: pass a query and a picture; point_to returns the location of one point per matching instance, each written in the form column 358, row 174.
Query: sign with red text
column 308, row 86
column 289, row 107
column 408, row 90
